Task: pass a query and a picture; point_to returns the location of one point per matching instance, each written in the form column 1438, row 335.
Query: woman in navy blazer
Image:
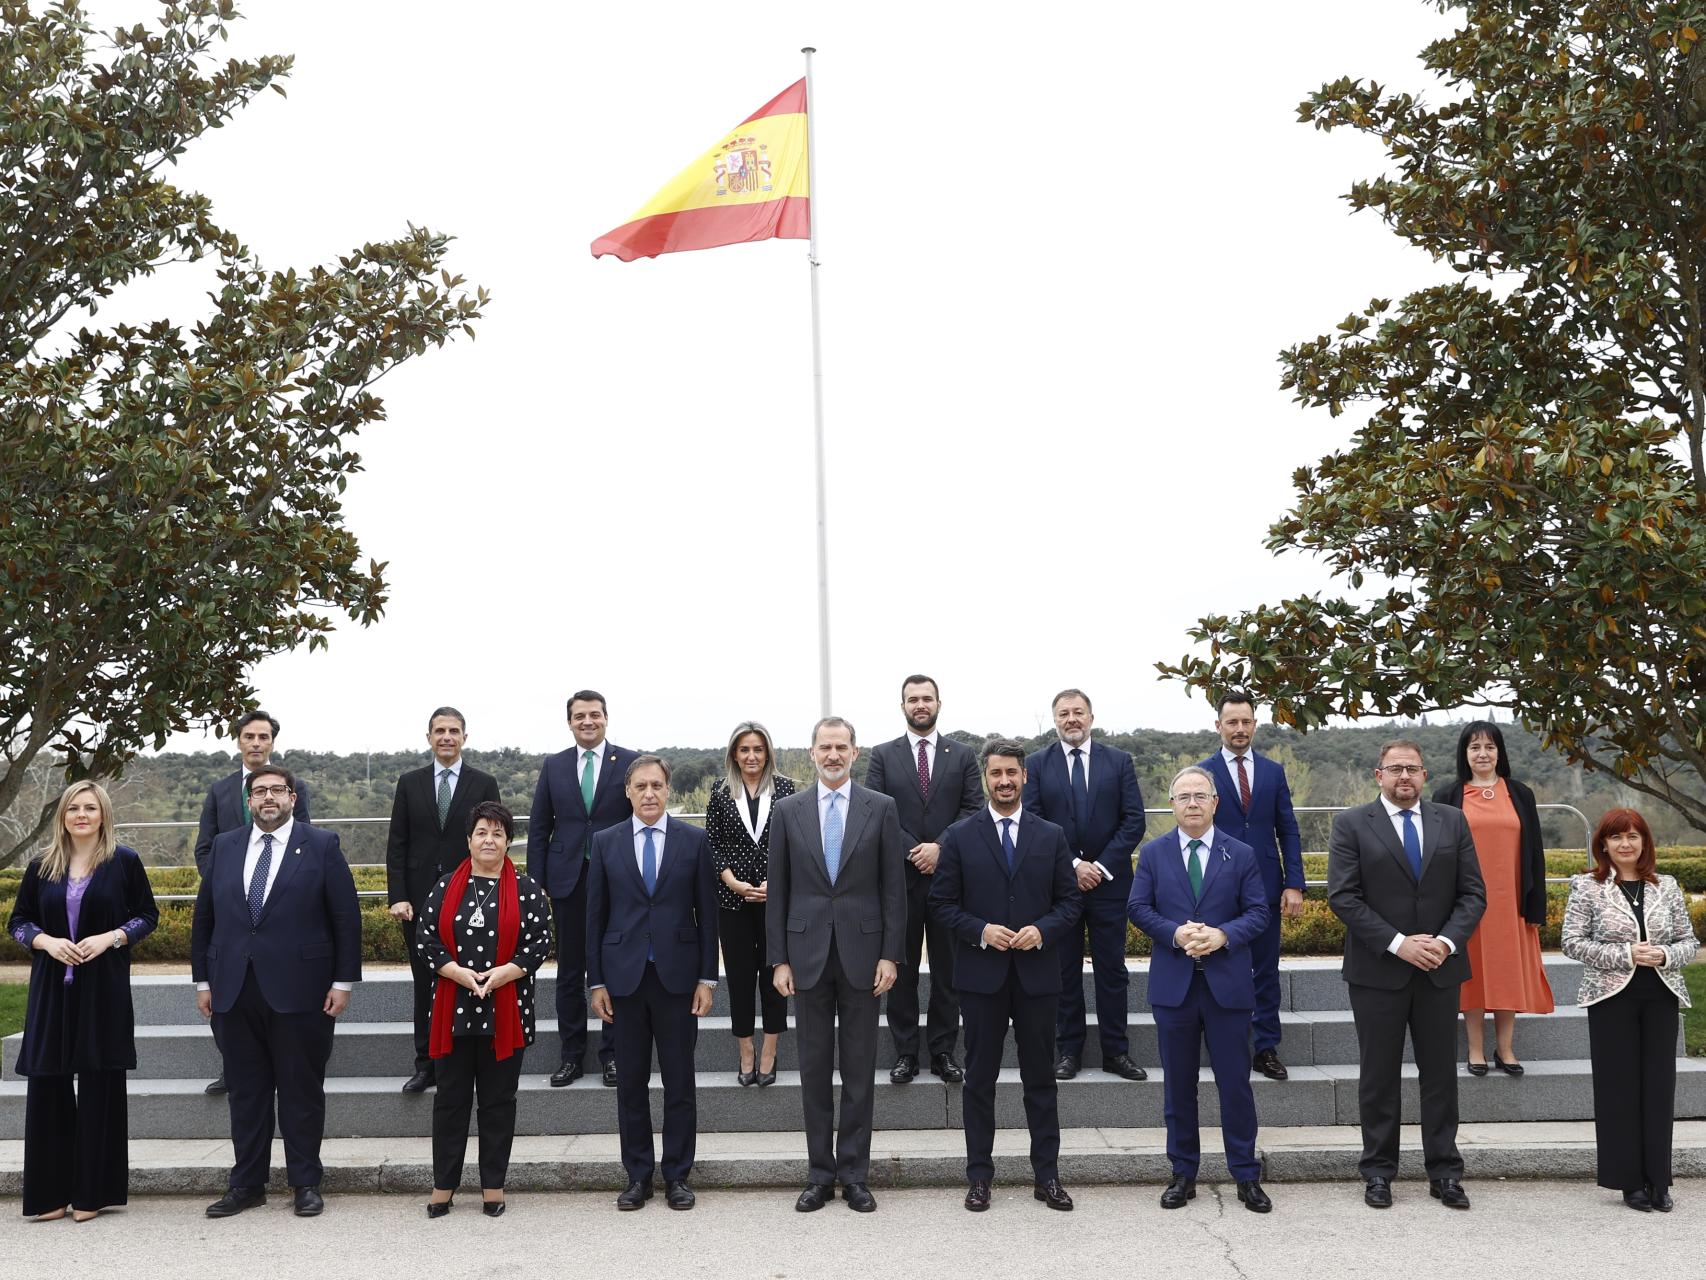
column 81, row 907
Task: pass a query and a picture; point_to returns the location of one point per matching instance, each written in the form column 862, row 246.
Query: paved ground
column 1318, row 1230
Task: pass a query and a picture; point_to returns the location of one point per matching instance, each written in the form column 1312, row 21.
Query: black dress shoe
column 859, row 1198
column 216, row 1085
column 977, row 1197
column 610, row 1074
column 678, row 1195
column 1509, row 1068
column 1377, row 1193
column 420, row 1082
column 1639, row 1201
column 1054, row 1195
column 566, row 1074
column 1179, row 1189
column 437, row 1208
column 904, row 1069
column 1476, row 1068
column 746, row 1078
column 1449, row 1192
column 767, row 1078
column 1066, row 1067
column 944, row 1065
column 1269, row 1064
column 1660, row 1196
column 814, row 1197
column 308, row 1202
column 1121, row 1065
column 236, row 1200
column 492, row 1208
column 634, row 1197
column 1254, row 1198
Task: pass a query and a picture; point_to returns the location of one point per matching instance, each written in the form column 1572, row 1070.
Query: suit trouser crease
column 942, row 1030
column 1632, row 1040
column 987, row 1016
column 568, row 918
column 470, row 1071
column 650, row 1017
column 1429, row 1013
column 1104, row 920
column 837, row 1018
column 76, row 1142
column 1180, row 1032
column 276, row 1073
column 425, row 985
column 747, row 969
column 1264, row 969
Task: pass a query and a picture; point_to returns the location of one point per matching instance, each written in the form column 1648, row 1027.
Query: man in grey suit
column 835, row 927
column 934, row 783
column 1403, row 876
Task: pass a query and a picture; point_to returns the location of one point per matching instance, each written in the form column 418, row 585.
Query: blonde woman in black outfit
column 737, row 823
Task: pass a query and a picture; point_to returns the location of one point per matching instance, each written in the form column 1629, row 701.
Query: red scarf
column 509, row 1035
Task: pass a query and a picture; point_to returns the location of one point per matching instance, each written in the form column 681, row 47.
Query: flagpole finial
column 808, row 49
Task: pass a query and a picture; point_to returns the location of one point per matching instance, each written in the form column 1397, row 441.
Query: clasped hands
column 482, row 982
column 750, row 892
column 1424, row 950
column 1196, row 939
column 1648, row 953
column 68, row 952
column 1004, row 939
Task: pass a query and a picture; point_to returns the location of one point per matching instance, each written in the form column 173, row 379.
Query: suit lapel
column 858, row 804
column 912, row 767
column 1224, row 783
column 1431, row 823
column 991, row 831
column 1384, row 832
column 292, row 856
column 1213, row 856
column 606, row 777
column 812, row 823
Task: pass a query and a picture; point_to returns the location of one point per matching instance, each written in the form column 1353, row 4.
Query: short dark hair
column 1071, row 693
column 640, row 762
column 494, row 812
column 929, row 680
column 585, row 695
column 1001, row 747
column 270, row 771
column 448, row 711
column 1400, row 744
column 249, row 717
column 1233, row 695
column 1464, row 772
column 836, row 722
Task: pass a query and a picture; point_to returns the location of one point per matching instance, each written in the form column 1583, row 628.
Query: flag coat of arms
column 750, row 185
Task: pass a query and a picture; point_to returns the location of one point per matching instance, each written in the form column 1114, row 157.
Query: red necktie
column 1243, row 784
column 923, row 768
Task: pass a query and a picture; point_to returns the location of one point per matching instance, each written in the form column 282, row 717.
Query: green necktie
column 443, row 798
column 1195, row 847
column 586, row 799
column 243, row 793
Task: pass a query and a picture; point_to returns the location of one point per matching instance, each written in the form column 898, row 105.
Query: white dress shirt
column 1392, row 812
column 1207, row 839
column 823, row 793
column 929, row 750
column 1231, row 758
column 998, row 819
column 438, row 771
column 1067, row 749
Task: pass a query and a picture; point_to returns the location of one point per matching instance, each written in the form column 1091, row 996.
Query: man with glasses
column 1403, row 876
column 1198, row 893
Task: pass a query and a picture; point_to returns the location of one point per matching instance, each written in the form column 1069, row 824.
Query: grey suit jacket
column 956, row 789
column 864, row 911
column 1371, row 888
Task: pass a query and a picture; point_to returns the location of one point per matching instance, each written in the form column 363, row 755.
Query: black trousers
column 837, row 1021
column 745, row 966
column 654, row 1016
column 1429, row 1013
column 473, row 1068
column 1104, row 922
column 943, row 1029
column 275, row 1068
column 1632, row 1039
column 76, row 1144
column 426, row 983
column 568, row 917
column 1032, row 1016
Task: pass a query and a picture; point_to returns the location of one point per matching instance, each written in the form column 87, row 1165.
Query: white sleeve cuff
column 1397, row 941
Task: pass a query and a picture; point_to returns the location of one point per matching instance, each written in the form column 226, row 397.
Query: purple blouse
column 75, row 887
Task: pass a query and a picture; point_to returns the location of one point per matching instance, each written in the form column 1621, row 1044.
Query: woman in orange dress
column 1505, row 971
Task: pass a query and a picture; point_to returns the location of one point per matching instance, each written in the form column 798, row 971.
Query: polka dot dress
column 477, row 946
column 732, row 845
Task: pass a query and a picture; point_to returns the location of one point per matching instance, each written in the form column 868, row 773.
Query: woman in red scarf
column 485, row 931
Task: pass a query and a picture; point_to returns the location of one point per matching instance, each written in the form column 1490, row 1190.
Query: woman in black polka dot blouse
column 485, row 930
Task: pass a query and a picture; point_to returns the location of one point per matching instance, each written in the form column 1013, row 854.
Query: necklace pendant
column 1487, row 793
column 478, row 919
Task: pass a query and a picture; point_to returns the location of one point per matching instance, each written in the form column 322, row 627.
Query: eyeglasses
column 261, row 793
column 1193, row 797
column 1402, row 770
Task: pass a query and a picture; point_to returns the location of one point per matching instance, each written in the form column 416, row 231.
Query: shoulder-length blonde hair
column 732, row 776
column 56, row 862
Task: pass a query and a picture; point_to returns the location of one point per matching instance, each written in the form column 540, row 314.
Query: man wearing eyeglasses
column 1403, row 876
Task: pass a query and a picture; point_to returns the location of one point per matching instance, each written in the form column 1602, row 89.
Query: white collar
column 999, row 818
column 1206, row 837
column 1392, row 810
column 915, row 739
column 659, row 826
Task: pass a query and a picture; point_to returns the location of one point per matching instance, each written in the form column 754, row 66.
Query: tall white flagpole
column 817, row 400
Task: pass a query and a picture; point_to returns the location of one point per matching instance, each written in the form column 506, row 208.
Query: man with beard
column 933, row 783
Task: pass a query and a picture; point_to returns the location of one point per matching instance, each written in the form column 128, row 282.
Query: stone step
column 1306, row 985
column 899, row 1158
column 372, row 1106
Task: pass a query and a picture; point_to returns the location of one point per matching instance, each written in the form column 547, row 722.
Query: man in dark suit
column 1004, row 890
column 836, row 924
column 1198, row 893
column 580, row 793
column 426, row 840
column 1255, row 808
column 651, row 906
column 1090, row 791
column 226, row 807
column 1403, row 876
column 933, row 783
column 275, row 948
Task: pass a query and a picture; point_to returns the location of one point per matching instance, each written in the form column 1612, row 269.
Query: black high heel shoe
column 1509, row 1068
column 765, row 1078
column 438, row 1208
column 1476, row 1068
column 492, row 1208
column 745, row 1078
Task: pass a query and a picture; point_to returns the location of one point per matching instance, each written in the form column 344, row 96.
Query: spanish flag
column 750, row 186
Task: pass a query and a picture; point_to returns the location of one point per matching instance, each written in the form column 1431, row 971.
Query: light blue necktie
column 258, row 882
column 1412, row 843
column 1007, row 845
column 832, row 836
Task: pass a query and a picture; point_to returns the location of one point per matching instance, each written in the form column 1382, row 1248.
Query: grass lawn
column 13, row 995
column 1695, row 1018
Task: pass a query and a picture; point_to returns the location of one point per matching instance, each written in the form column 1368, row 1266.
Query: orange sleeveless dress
column 1504, row 951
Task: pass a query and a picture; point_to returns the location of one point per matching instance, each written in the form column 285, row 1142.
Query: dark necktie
column 1195, row 848
column 243, row 795
column 924, row 768
column 443, row 798
column 1412, row 843
column 258, row 882
column 1080, row 792
column 1007, row 846
column 1243, row 785
column 649, row 873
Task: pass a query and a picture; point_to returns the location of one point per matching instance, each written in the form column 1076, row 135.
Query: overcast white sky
column 1060, row 256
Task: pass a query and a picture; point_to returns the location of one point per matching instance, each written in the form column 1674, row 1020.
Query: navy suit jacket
column 1115, row 824
column 1270, row 827
column 558, row 826
column 677, row 922
column 309, row 933
column 972, row 888
column 1233, row 900
column 222, row 811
